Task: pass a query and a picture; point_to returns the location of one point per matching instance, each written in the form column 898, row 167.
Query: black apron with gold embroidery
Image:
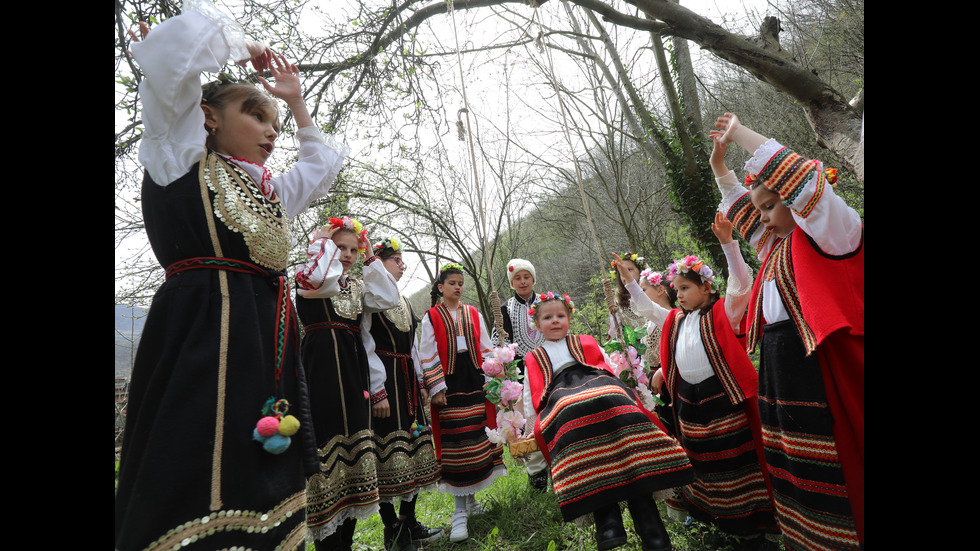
column 218, row 342
column 406, row 458
column 345, row 486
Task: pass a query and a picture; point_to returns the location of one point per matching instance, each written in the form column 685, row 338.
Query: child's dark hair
column 657, row 279
column 696, row 278
column 622, row 295
column 444, row 272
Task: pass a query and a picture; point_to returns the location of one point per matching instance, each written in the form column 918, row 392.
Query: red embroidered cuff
column 379, row 396
column 370, row 260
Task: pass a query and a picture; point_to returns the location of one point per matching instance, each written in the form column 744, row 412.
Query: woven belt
column 285, row 322
column 413, row 391
column 332, row 325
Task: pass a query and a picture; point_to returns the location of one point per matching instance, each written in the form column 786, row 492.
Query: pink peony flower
column 492, row 367
column 494, row 435
column 507, row 353
column 510, row 392
column 510, row 425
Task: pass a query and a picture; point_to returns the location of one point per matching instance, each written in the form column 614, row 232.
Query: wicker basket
column 522, row 447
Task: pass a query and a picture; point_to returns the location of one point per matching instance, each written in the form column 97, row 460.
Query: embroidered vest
column 538, row 370
column 821, row 293
column 445, row 329
column 725, row 350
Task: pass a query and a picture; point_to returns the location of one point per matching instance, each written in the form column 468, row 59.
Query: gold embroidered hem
column 346, row 486
column 406, row 464
column 199, row 529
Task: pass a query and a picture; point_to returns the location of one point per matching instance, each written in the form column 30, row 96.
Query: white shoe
column 473, row 506
column 459, row 532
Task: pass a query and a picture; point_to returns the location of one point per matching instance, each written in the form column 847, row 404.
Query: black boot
column 398, row 537
column 609, row 531
column 648, row 524
column 538, row 481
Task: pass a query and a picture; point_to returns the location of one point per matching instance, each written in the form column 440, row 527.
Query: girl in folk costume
column 218, row 353
column 806, row 314
column 517, row 324
column 603, row 446
column 712, row 386
column 406, row 457
column 345, row 387
column 453, row 343
column 656, row 287
column 626, row 315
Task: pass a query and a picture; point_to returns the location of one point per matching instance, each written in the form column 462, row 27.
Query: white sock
column 461, row 503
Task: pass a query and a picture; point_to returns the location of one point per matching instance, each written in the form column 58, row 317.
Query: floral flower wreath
column 349, row 223
column 388, row 243
column 451, row 266
column 633, row 257
column 652, row 277
column 691, row 263
column 547, row 297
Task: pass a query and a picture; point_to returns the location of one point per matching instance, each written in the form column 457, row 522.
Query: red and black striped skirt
column 603, row 448
column 805, row 467
column 731, row 490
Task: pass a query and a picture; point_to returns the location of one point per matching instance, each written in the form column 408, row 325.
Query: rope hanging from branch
column 606, row 283
column 467, row 131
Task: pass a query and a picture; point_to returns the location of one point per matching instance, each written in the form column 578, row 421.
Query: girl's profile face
column 651, row 291
column 394, row 265
column 773, row 214
column 690, row 295
column 248, row 134
column 452, row 287
column 347, row 248
column 552, row 320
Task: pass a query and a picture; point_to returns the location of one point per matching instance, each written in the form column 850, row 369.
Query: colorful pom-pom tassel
column 288, row 426
column 267, row 426
column 276, row 444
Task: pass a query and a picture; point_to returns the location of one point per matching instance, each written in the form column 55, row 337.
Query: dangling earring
column 213, row 130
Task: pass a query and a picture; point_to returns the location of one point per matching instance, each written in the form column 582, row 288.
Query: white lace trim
column 356, row 513
column 498, row 471
column 232, row 32
column 762, row 155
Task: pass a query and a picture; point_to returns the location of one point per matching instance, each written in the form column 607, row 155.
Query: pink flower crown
column 652, row 277
column 547, row 297
column 691, row 263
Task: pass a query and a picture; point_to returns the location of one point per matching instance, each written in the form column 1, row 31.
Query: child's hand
column 722, row 228
column 624, row 273
column 286, row 76
column 728, row 123
column 439, row 398
column 381, row 409
column 144, row 30
column 364, row 244
column 324, row 232
column 718, row 150
column 259, row 54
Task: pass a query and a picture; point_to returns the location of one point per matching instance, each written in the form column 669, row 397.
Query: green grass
column 519, row 519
